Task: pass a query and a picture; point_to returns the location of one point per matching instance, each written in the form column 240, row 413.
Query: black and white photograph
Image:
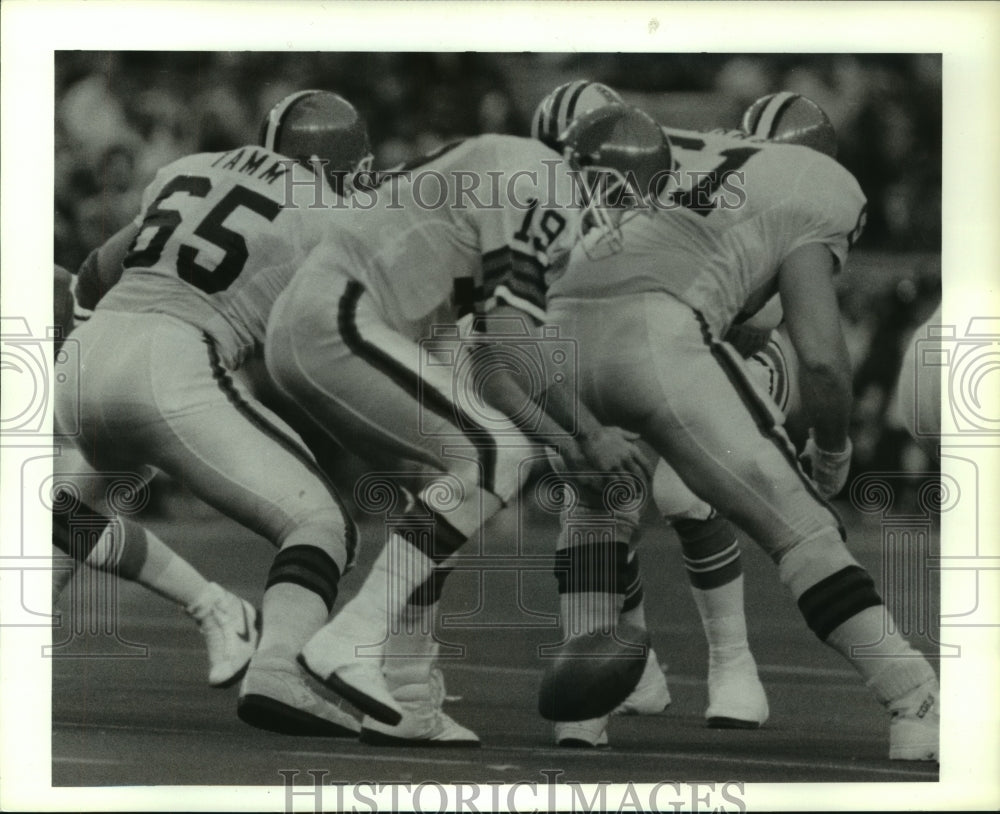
column 426, row 416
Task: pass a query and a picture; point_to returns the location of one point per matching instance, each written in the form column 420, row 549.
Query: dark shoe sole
column 721, row 722
column 275, row 716
column 222, row 685
column 368, row 705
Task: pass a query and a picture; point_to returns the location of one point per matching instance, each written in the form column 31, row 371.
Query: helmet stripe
column 770, row 116
column 552, row 127
column 571, row 104
column 275, row 121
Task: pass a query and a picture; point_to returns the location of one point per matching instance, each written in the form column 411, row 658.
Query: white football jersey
column 220, row 235
column 429, row 253
column 741, row 207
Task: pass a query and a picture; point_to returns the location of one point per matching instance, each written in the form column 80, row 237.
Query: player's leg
column 714, row 566
column 91, row 532
column 168, row 402
column 713, row 427
column 329, row 350
column 713, row 560
column 651, row 695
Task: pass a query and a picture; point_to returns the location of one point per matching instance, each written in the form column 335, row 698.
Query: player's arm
column 805, row 281
column 103, row 267
column 592, row 446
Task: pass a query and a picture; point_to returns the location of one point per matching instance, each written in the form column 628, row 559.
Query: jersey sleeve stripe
column 503, row 294
column 521, row 273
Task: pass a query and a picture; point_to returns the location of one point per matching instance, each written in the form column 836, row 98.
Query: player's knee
column 810, row 561
column 585, row 523
column 674, row 500
column 515, row 463
column 330, row 531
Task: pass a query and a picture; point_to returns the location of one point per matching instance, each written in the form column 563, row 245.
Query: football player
column 217, row 238
column 86, row 529
column 344, row 341
column 712, row 556
column 650, row 317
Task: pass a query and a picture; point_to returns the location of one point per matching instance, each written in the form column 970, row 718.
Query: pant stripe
column 410, row 382
column 225, row 382
column 761, row 415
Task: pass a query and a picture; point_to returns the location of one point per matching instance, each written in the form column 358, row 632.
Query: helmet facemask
column 620, row 158
column 607, row 195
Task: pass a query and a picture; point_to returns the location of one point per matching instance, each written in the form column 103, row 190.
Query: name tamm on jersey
column 429, row 254
column 741, row 207
column 220, row 235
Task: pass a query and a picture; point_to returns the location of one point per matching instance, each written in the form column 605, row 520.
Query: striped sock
column 714, row 567
column 300, row 592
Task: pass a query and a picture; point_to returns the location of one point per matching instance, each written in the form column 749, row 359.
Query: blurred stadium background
column 122, row 115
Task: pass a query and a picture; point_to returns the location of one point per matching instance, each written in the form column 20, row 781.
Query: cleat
column 736, row 698
column 423, row 722
column 230, row 627
column 331, row 661
column 582, row 734
column 650, row 695
column 275, row 696
column 915, row 724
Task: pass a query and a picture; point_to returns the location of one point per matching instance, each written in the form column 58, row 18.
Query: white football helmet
column 558, row 110
column 790, row 118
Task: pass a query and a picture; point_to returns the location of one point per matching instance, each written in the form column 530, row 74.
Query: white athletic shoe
column 582, row 734
column 650, row 695
column 229, row 625
column 331, row 660
column 423, row 723
column 736, row 698
column 915, row 724
column 275, row 696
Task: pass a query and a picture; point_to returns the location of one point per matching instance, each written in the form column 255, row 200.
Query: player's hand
column 828, row 470
column 609, row 451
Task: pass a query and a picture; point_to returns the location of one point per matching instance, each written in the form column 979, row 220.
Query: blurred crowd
column 120, row 116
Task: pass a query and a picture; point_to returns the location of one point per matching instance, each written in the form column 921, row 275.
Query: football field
column 143, row 713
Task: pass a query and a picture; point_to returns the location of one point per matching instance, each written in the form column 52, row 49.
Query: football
column 589, row 675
